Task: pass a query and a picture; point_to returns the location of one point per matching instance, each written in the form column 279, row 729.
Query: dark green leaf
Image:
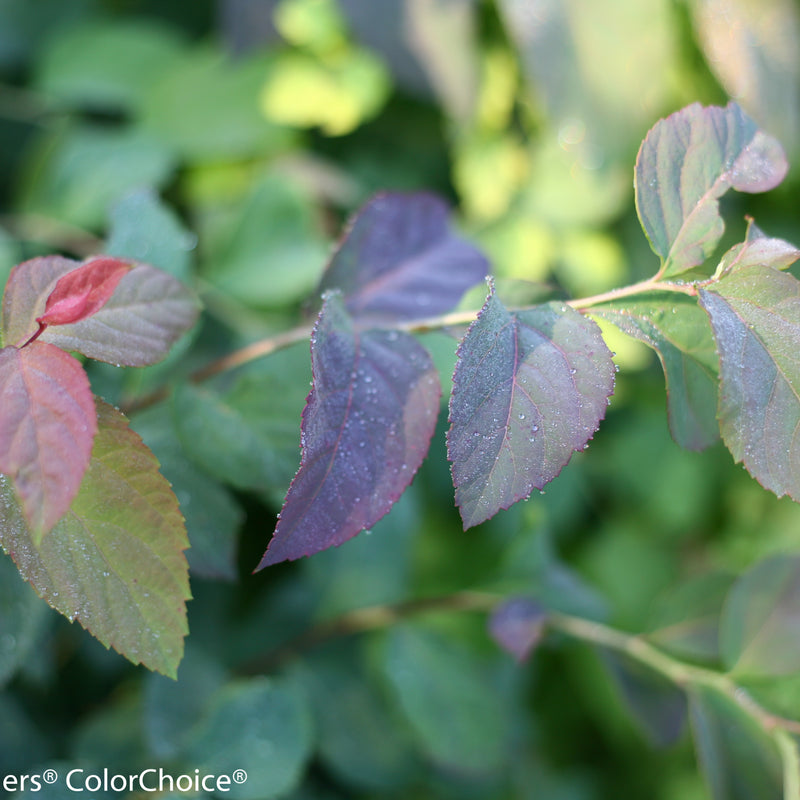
column 686, row 163
column 212, row 515
column 739, row 761
column 755, row 315
column 760, row 632
column 685, row 620
column 115, row 561
column 443, row 691
column 656, row 705
column 261, row 726
column 678, row 330
column 22, row 619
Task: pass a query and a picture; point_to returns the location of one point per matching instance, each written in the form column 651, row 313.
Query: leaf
column 751, row 49
column 83, row 291
column 115, row 561
column 758, row 249
column 656, row 705
column 23, row 619
column 685, row 620
column 147, row 314
column 442, row 691
column 739, row 761
column 518, row 625
column 755, row 315
column 759, row 625
column 399, row 260
column 678, row 330
column 260, row 726
column 528, row 390
column 685, row 164
column 365, row 430
column 47, row 426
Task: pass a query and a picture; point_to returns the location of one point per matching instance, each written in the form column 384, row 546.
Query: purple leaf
column 758, row 249
column 366, row 428
column 517, row 625
column 755, row 316
column 685, row 164
column 399, row 260
column 47, row 426
column 529, row 389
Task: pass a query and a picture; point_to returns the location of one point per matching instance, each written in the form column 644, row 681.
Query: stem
column 683, row 675
column 271, row 344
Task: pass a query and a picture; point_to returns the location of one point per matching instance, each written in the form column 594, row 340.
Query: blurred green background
column 227, row 142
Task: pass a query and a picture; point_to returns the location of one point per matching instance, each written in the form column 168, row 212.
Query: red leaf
column 83, row 291
column 47, row 426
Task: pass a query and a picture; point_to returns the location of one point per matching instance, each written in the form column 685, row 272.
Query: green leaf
column 760, row 625
column 206, row 108
column 106, row 65
column 359, row 738
column 272, row 253
column 260, row 726
column 686, row 163
column 246, row 437
column 78, row 172
column 738, row 760
column 678, row 330
column 22, row 618
column 212, row 515
column 656, row 705
column 755, row 315
column 443, row 691
column 758, row 250
column 685, row 619
column 167, row 244
column 115, row 561
column 750, row 48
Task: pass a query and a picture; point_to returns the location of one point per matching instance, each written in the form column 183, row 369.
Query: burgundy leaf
column 83, row 291
column 47, row 426
column 400, row 260
column 147, row 313
column 366, row 428
column 529, row 389
column 517, row 625
column 25, row 296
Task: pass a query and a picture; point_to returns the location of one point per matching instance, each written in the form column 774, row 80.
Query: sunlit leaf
column 750, row 45
column 678, row 330
column 366, row 428
column 517, row 625
column 47, row 425
column 529, row 389
column 760, row 625
column 114, row 562
column 755, row 315
column 758, row 249
column 400, row 260
column 739, row 761
column 686, row 163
